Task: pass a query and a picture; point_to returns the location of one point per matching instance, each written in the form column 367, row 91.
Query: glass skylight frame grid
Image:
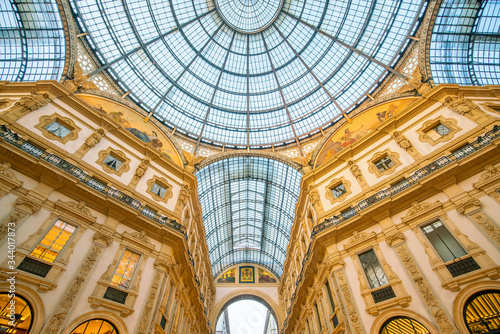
column 248, row 196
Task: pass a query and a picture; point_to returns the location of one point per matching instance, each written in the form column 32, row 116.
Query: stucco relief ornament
column 415, row 83
column 314, row 198
column 192, row 161
column 416, row 208
column 31, row 102
column 461, row 105
column 5, row 103
column 141, row 169
column 304, row 160
column 184, row 195
column 94, row 139
column 79, row 80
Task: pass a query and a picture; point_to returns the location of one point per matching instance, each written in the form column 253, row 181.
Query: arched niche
column 245, row 294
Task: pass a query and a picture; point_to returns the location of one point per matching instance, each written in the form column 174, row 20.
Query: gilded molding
column 90, row 142
column 139, row 172
column 489, row 227
column 315, row 200
column 490, row 172
column 406, row 144
column 465, row 107
column 79, row 210
column 465, row 206
column 148, row 312
column 431, row 301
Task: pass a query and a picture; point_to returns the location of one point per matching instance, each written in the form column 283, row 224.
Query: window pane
column 53, row 242
column 58, row 129
column 441, row 129
column 113, row 162
column 338, row 190
column 373, row 270
column 443, row 241
column 384, row 163
column 125, row 269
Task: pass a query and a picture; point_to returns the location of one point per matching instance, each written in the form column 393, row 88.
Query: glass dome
column 246, row 73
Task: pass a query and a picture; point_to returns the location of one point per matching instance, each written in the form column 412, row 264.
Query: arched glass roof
column 32, row 45
column 465, row 45
column 248, row 73
column 248, row 205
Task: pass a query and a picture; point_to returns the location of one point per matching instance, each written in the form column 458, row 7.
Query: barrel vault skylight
column 248, row 73
column 248, row 205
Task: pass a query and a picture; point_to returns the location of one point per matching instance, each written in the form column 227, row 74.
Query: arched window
column 95, row 326
column 16, row 314
column 482, row 312
column 403, row 325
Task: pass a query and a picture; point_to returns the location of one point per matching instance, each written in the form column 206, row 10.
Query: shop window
column 482, row 312
column 403, row 325
column 18, row 322
column 48, row 249
column 95, row 326
column 373, row 270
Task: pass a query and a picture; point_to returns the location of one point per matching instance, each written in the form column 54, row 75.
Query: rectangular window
column 54, row 241
column 338, row 190
column 163, row 322
column 58, row 129
column 373, row 270
column 383, row 163
column 443, row 241
column 113, row 162
column 125, row 270
column 332, row 304
column 158, row 189
column 317, row 316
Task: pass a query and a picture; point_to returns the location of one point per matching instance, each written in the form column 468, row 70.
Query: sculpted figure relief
column 31, row 102
column 94, row 138
column 461, row 105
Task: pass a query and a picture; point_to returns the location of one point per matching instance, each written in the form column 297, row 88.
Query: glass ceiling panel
column 248, row 205
column 32, row 45
column 465, row 43
column 270, row 58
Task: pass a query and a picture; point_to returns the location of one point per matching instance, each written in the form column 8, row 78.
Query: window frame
column 124, row 167
column 335, row 183
column 47, row 230
column 162, row 182
column 424, row 130
column 393, row 156
column 132, row 278
column 46, row 120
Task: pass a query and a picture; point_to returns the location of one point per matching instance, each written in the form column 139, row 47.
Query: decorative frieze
column 349, row 302
column 24, row 106
column 466, row 107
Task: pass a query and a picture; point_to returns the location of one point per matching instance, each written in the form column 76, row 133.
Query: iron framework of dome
column 248, row 205
column 245, row 73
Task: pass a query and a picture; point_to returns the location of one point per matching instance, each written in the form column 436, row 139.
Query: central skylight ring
column 248, row 16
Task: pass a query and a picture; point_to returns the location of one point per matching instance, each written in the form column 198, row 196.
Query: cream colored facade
column 173, row 277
